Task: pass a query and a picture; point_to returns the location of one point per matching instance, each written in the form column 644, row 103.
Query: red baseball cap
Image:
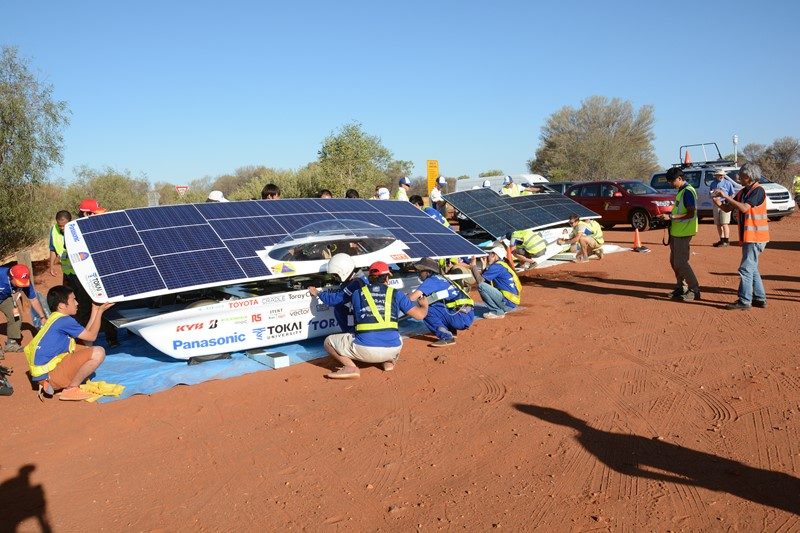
column 89, row 204
column 20, row 276
column 379, row 268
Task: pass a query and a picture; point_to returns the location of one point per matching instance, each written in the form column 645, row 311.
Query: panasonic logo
column 207, row 343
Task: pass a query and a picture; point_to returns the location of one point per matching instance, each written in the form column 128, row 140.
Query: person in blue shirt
column 14, row 282
column 449, row 308
column 416, row 199
column 342, row 265
column 722, row 218
column 376, row 309
column 55, row 361
column 498, row 284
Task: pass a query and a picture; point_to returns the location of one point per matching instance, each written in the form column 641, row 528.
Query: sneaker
column 738, row 305
column 690, row 296
column 74, row 394
column 493, row 315
column 762, row 304
column 677, row 294
column 12, row 346
column 717, row 244
column 443, row 342
column 599, row 253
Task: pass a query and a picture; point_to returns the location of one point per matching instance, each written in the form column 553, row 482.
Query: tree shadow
column 791, row 246
column 20, row 500
column 633, row 455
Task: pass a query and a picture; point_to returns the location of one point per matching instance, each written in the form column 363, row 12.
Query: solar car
column 623, row 202
column 202, row 279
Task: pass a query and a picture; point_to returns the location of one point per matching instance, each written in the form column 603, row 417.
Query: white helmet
column 499, row 251
column 342, row 265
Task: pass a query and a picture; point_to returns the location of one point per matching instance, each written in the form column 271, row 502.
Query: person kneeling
column 376, row 308
column 498, row 284
column 587, row 236
column 55, row 362
column 449, row 308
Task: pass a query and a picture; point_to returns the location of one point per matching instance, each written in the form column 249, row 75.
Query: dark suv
column 623, row 202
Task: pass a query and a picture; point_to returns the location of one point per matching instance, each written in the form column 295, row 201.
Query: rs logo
column 256, row 318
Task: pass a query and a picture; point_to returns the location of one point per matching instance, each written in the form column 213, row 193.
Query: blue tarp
column 144, row 370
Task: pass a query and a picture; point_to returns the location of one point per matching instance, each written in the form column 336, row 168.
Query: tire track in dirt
column 721, row 411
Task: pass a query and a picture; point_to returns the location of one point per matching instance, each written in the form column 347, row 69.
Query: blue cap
column 405, row 181
column 441, row 180
column 507, row 180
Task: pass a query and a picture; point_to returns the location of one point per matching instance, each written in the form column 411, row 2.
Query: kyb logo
column 196, row 326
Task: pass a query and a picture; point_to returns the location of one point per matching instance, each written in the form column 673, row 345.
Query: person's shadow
column 633, row 455
column 19, row 500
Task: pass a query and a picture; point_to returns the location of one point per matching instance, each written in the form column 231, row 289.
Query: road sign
column 433, row 173
column 181, row 189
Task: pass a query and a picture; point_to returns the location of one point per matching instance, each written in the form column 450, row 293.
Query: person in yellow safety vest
column 529, row 188
column 54, row 360
column 498, row 284
column 529, row 245
column 376, row 309
column 450, row 309
column 402, row 190
column 751, row 202
column 510, row 188
column 683, row 226
column 588, row 235
column 58, row 251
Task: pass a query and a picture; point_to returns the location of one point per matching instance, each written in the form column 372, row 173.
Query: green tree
column 352, row 159
column 31, row 142
column 602, row 139
column 112, row 189
column 488, row 173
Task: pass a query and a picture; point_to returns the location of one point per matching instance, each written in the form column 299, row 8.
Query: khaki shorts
column 592, row 243
column 63, row 374
column 720, row 216
column 342, row 343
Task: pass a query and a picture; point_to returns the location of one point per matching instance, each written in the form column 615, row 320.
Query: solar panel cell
column 112, row 238
column 209, row 267
column 113, row 261
column 133, row 282
column 165, row 217
column 180, row 239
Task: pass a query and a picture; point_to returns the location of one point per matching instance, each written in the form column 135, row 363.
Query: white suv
column 700, row 174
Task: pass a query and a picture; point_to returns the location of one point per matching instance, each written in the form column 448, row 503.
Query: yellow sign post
column 433, row 173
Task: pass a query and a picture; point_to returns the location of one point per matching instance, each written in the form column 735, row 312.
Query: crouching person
column 54, row 359
column 376, row 309
column 498, row 284
column 449, row 308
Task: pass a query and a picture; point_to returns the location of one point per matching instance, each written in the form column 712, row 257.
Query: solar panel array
column 169, row 248
column 500, row 215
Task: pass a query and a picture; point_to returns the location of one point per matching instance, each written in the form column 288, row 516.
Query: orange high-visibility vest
column 754, row 224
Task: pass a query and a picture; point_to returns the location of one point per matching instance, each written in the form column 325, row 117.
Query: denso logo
column 74, row 233
column 299, row 312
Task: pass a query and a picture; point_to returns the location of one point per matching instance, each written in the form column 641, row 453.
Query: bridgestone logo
column 206, row 343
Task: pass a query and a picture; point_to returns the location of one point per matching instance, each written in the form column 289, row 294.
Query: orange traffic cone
column 637, row 242
column 687, row 159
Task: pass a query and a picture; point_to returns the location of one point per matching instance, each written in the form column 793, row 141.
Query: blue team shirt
column 386, row 338
column 688, row 198
column 343, row 294
column 501, row 279
column 56, row 341
column 6, row 289
column 437, row 283
column 434, row 214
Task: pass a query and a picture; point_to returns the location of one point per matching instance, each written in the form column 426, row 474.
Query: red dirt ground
column 601, row 405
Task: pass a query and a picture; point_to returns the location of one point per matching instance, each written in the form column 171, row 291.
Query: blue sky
column 179, row 90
